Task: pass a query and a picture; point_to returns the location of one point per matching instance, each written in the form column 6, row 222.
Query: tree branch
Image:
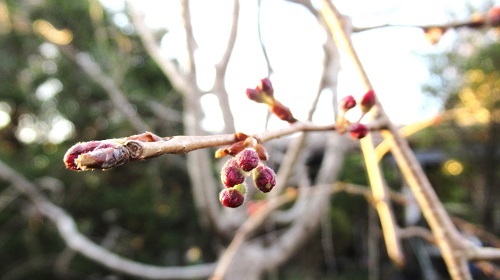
column 76, row 241
column 117, row 97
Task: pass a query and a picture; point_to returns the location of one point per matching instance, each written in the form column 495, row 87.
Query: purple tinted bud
column 267, row 87
column 247, row 159
column 231, row 174
column 255, row 95
column 231, row 198
column 96, row 155
column 264, row 178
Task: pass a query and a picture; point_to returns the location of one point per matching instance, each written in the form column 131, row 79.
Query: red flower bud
column 358, row 131
column 266, row 87
column 255, row 95
column 282, row 112
column 368, row 101
column 347, row 103
column 232, row 174
column 247, row 159
column 96, row 155
column 494, row 16
column 264, row 178
column 231, row 197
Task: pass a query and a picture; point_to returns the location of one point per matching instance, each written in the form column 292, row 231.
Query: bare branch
column 220, row 72
column 447, row 236
column 168, row 68
column 76, row 241
column 117, row 97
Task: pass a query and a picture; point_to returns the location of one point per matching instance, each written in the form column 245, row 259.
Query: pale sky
column 392, row 56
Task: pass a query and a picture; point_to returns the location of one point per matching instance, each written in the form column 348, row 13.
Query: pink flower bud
column 368, row 101
column 247, row 159
column 347, row 103
column 266, row 87
column 358, row 131
column 96, row 155
column 255, row 95
column 264, row 178
column 494, row 16
column 232, row 174
column 231, row 198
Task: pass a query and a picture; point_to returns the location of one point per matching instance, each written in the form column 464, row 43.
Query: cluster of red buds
column 264, row 93
column 247, row 156
column 356, row 130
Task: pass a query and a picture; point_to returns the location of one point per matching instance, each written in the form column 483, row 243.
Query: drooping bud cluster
column 247, row 157
column 264, row 93
column 356, row 130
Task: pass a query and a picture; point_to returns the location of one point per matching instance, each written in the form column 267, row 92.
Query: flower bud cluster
column 264, row 93
column 243, row 163
column 356, row 130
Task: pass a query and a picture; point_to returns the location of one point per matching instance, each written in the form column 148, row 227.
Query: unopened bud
column 232, row 174
column 96, row 155
column 247, row 159
column 368, row 101
column 231, row 198
column 358, row 131
column 266, row 87
column 347, row 103
column 282, row 112
column 264, row 178
column 255, row 95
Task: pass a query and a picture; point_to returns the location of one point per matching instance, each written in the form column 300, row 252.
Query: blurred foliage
column 467, row 79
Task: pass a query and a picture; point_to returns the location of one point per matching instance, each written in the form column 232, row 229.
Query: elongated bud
column 231, row 198
column 283, row 112
column 232, row 174
column 358, row 131
column 247, row 159
column 368, row 101
column 96, row 155
column 347, row 103
column 264, row 178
